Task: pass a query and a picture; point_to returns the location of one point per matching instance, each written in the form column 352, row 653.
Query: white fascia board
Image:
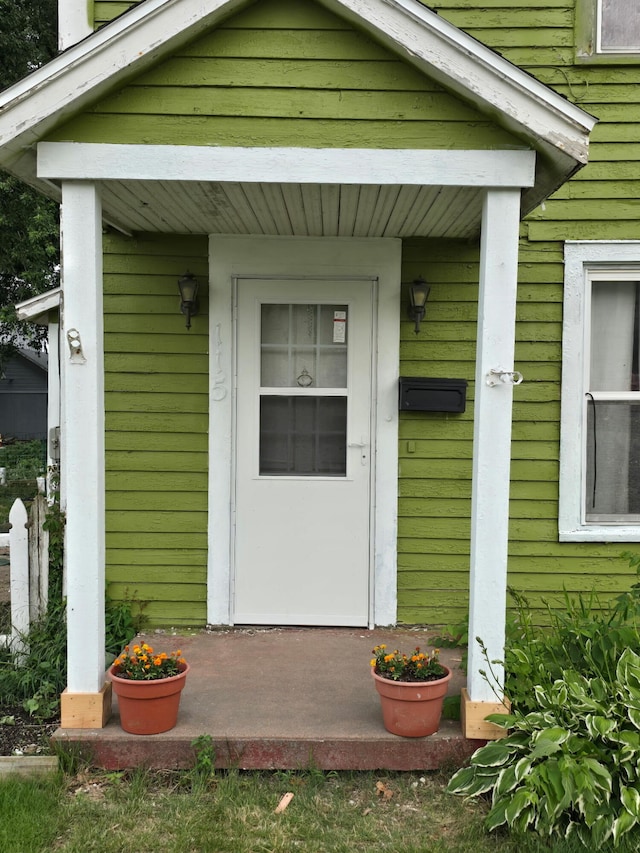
column 34, row 308
column 466, row 66
column 95, row 162
column 86, row 71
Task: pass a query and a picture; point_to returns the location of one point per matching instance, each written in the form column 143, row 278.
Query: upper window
column 618, row 26
column 600, row 439
column 607, row 30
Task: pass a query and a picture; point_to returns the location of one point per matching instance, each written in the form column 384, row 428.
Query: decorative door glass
column 303, row 390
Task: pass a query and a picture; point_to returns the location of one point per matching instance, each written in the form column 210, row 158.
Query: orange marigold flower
column 157, row 661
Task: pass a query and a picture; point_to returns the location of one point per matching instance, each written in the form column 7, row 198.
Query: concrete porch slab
column 281, row 698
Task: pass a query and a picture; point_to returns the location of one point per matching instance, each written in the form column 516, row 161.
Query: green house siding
column 282, row 73
column 435, row 450
column 156, row 401
column 600, row 202
column 106, row 10
column 285, row 74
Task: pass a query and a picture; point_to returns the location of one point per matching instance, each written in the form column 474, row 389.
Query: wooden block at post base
column 86, row 710
column 472, row 717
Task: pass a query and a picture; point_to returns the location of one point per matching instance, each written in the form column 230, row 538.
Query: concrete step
column 282, row 698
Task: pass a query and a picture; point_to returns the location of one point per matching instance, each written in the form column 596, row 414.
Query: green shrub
column 572, row 767
column 570, row 764
column 24, row 460
column 588, row 636
column 37, row 677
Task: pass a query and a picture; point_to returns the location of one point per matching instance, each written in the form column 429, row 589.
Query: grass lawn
column 234, row 812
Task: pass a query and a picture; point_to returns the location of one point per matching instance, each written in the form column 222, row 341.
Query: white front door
column 302, row 546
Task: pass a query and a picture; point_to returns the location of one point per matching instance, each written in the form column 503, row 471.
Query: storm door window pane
column 619, row 26
column 304, row 346
column 303, row 436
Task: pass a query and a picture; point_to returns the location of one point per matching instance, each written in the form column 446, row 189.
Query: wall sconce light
column 418, row 295
column 188, row 287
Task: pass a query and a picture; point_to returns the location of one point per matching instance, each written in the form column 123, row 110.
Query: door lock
column 363, row 445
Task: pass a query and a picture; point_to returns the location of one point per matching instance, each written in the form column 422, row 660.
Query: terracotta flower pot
column 148, row 707
column 412, row 708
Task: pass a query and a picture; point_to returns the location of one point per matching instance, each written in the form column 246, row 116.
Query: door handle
column 363, row 445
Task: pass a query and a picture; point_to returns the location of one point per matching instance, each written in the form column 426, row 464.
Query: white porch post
column 86, row 702
column 492, row 450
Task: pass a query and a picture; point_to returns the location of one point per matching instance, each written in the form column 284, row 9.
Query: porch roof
column 546, row 123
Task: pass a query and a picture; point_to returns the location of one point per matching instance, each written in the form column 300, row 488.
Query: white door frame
column 235, row 257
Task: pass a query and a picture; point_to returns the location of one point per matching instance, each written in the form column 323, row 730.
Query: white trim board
column 38, row 306
column 91, row 161
column 232, row 257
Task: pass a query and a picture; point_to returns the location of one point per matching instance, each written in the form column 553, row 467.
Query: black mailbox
column 418, row 394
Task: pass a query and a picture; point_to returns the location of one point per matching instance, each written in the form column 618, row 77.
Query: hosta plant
column 572, row 767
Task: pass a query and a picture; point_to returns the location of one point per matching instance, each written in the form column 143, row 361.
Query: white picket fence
column 29, row 568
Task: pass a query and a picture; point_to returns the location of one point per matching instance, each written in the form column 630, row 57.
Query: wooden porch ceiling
column 329, row 210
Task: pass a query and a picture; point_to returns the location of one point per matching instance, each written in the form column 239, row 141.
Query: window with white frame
column 600, row 425
column 618, row 26
column 607, row 31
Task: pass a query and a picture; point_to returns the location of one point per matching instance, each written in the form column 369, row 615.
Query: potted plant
column 148, row 686
column 412, row 690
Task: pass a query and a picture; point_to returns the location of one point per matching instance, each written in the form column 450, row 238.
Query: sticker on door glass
column 339, row 327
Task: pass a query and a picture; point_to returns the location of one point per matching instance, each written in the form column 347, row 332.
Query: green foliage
column 572, row 767
column 54, row 524
column 397, row 666
column 123, row 620
column 37, row 678
column 27, row 37
column 453, row 636
column 24, row 460
column 29, row 241
column 570, row 764
column 203, row 769
column 588, row 635
column 20, row 801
